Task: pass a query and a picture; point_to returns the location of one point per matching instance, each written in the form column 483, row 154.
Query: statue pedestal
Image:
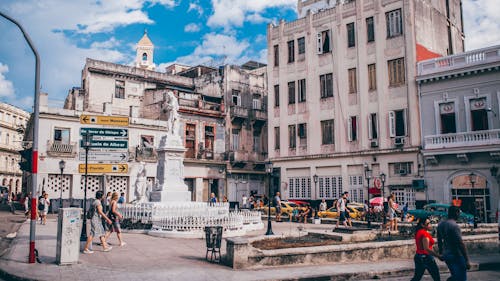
column 170, row 184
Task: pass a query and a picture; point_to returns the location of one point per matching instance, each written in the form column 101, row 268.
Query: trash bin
column 69, row 227
column 213, row 238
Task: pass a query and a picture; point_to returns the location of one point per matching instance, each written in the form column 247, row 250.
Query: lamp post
column 269, row 171
column 62, row 165
column 315, row 179
column 87, row 138
column 368, row 176
column 472, row 179
column 382, row 179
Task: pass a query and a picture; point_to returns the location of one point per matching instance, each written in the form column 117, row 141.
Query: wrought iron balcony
column 466, row 139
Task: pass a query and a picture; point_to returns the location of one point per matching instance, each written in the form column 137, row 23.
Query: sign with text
column 104, row 120
column 104, row 168
column 105, row 156
column 105, row 132
column 110, row 144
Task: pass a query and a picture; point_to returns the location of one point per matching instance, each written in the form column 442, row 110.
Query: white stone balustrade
column 465, row 139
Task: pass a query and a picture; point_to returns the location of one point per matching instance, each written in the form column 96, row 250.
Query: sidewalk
column 150, row 258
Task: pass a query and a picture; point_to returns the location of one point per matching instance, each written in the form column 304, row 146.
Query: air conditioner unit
column 402, row 172
column 374, row 143
column 399, row 141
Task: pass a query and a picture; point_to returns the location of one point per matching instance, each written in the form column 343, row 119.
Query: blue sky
column 186, row 31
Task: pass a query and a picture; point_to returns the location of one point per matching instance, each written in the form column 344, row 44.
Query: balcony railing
column 467, row 139
column 57, row 148
column 476, row 57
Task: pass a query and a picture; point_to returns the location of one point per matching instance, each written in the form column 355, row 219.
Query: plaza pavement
column 151, row 258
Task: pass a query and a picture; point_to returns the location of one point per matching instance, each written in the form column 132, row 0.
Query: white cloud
column 482, row 23
column 192, row 27
column 228, row 13
column 195, row 7
column 6, row 86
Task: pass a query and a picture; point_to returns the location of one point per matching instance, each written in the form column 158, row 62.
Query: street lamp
column 382, row 179
column 315, row 178
column 62, row 165
column 87, row 138
column 368, row 176
column 269, row 171
column 472, row 179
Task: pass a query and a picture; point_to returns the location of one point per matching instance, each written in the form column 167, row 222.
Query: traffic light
column 26, row 160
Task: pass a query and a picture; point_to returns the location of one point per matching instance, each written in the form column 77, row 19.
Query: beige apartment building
column 343, row 101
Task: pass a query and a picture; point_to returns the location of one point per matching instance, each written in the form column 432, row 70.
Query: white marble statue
column 141, row 184
column 172, row 108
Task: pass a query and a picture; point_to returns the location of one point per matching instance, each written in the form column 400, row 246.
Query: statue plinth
column 170, row 184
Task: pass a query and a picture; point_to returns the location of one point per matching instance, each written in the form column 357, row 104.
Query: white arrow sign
column 105, row 156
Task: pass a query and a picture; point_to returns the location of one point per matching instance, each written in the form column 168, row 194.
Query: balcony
column 467, row 139
column 57, row 148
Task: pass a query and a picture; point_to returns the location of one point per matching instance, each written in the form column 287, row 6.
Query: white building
column 343, row 96
column 12, row 125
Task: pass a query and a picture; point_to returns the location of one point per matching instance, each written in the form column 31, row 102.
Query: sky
column 191, row 32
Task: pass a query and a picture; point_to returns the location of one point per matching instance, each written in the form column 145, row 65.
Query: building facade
column 13, row 122
column 459, row 102
column 343, row 97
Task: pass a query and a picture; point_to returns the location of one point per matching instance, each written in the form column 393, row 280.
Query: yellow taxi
column 333, row 213
column 286, row 208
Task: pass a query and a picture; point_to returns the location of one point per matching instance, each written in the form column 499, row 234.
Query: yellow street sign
column 103, row 168
column 103, row 120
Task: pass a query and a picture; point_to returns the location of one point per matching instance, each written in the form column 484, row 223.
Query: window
column 291, row 92
column 403, row 168
column 330, row 187
column 303, row 134
column 60, row 135
column 356, row 190
column 447, row 116
column 370, row 29
column 301, row 42
column 479, row 114
column 351, row 35
column 397, row 123
column 352, row 81
column 291, row 51
column 236, row 98
column 119, row 89
column 190, row 140
column 372, row 126
column 353, row 128
column 276, row 137
column 394, row 23
column 276, row 95
column 302, row 90
column 276, row 55
column 299, row 188
column 235, row 137
column 396, row 71
column 324, row 42
column 327, row 132
column 372, row 77
column 326, row 85
column 292, row 136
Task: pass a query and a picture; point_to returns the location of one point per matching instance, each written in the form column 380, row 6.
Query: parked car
column 437, row 212
column 333, row 213
column 286, row 208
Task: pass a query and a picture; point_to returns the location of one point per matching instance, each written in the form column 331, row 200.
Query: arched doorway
column 472, row 197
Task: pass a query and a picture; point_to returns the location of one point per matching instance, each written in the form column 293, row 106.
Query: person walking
column 115, row 216
column 96, row 227
column 424, row 256
column 277, row 205
column 43, row 207
column 452, row 247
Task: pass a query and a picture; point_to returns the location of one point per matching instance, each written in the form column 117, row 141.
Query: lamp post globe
column 62, row 165
column 269, row 171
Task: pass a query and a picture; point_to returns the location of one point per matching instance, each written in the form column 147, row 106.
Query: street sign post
column 104, row 120
column 105, row 156
column 104, row 168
